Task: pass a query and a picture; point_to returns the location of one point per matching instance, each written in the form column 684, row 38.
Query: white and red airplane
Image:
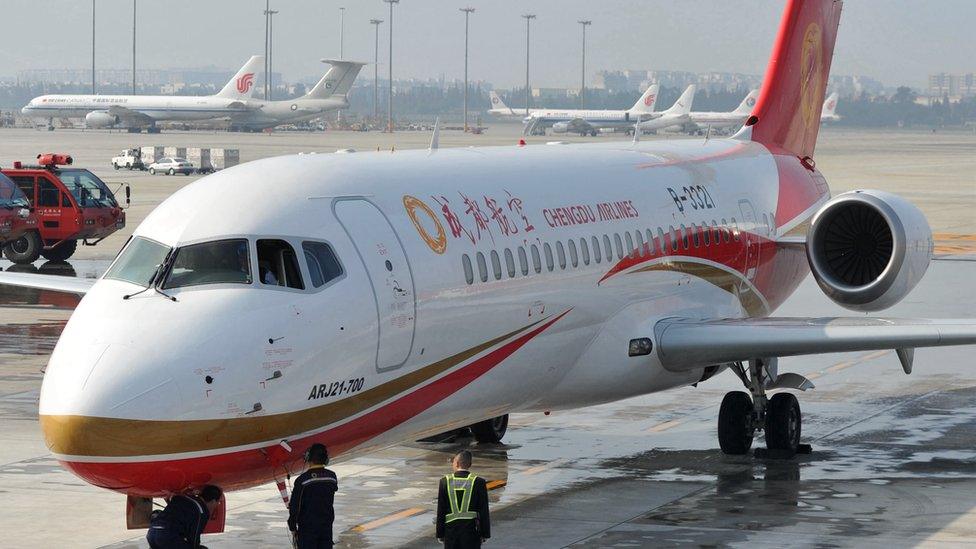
column 360, row 300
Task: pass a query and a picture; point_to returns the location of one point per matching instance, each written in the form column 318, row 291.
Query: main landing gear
column 743, row 414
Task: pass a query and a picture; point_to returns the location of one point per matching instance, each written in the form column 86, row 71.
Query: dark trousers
column 459, row 535
column 310, row 539
column 164, row 539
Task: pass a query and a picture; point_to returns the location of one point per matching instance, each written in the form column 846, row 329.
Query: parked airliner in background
column 143, row 111
column 583, row 121
column 501, row 110
column 329, row 94
column 699, row 121
column 676, row 115
column 422, row 291
column 828, row 113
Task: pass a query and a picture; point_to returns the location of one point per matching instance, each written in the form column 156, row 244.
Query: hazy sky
column 896, row 41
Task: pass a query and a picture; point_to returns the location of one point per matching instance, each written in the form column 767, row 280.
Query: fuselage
column 266, row 114
column 513, row 288
column 157, row 107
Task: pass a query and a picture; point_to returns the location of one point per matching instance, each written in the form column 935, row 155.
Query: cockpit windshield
column 89, row 191
column 10, row 195
column 219, row 262
column 139, row 261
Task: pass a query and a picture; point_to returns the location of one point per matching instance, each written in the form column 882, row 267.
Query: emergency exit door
column 386, row 266
column 750, row 225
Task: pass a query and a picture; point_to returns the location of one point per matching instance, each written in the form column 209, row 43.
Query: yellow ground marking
column 660, row 427
column 383, row 521
column 544, row 467
column 495, row 484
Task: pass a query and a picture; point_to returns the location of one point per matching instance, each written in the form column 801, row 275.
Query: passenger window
column 468, row 271
column 48, row 195
column 735, row 230
column 695, row 237
column 586, row 251
column 548, row 251
column 619, row 245
column 630, row 245
column 496, row 265
column 536, row 260
column 223, row 261
column 523, row 261
column 278, row 264
column 323, row 266
column 673, row 234
column 706, row 234
column 573, row 255
column 640, row 243
column 561, row 254
column 662, row 244
column 684, row 236
column 509, row 263
column 482, row 267
column 596, row 249
column 650, row 242
column 607, row 251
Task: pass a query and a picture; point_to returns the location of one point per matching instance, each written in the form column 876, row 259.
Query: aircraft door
column 750, row 224
column 389, row 274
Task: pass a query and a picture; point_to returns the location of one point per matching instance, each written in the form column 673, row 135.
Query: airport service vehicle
column 677, row 115
column 70, row 205
column 828, row 113
column 328, row 94
column 422, row 291
column 16, row 219
column 130, row 159
column 209, row 160
column 592, row 122
column 171, row 166
column 143, row 111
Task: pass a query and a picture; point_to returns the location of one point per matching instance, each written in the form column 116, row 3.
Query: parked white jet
column 677, row 115
column 329, row 94
column 828, row 113
column 590, row 122
column 138, row 111
column 501, row 110
column 421, row 291
column 699, row 121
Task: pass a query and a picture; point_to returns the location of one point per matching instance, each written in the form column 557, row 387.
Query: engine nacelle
column 100, row 119
column 560, row 127
column 868, row 249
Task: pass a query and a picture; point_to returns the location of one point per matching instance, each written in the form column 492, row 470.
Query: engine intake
column 100, row 119
column 868, row 249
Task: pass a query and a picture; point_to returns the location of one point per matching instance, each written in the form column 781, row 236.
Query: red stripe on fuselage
column 248, row 468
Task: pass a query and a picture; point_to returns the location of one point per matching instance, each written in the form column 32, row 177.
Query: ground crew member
column 310, row 510
column 180, row 524
column 462, row 507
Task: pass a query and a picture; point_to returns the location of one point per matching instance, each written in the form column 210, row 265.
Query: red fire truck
column 70, row 205
column 16, row 218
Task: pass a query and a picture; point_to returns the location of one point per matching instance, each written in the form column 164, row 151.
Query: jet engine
column 100, row 119
column 868, row 249
column 560, row 127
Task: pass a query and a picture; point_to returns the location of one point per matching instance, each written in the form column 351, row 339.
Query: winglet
column 436, row 137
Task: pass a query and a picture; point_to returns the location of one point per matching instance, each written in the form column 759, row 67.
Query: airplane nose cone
column 25, row 110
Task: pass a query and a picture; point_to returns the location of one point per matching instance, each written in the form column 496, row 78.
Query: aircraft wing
column 55, row 283
column 129, row 116
column 685, row 344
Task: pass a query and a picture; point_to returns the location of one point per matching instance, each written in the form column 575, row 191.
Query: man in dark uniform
column 180, row 524
column 462, row 507
column 310, row 510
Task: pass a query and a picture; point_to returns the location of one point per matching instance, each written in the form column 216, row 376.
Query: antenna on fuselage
column 435, row 139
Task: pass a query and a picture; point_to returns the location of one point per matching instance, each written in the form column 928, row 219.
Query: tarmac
column 893, row 462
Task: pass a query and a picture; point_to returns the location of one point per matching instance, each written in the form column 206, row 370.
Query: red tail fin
column 787, row 115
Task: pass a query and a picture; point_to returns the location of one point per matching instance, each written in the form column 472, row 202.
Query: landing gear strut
column 742, row 414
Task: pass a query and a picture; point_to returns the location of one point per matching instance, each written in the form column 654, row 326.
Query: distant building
column 956, row 86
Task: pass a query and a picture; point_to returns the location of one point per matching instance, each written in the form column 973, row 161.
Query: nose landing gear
column 742, row 414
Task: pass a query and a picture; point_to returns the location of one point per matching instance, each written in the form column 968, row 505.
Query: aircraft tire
column 62, row 252
column 735, row 429
column 490, row 430
column 783, row 423
column 24, row 250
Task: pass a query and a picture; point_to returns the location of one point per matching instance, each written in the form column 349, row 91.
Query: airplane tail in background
column 748, row 103
column 646, row 103
column 683, row 104
column 497, row 103
column 337, row 81
column 829, row 106
column 241, row 86
column 786, row 114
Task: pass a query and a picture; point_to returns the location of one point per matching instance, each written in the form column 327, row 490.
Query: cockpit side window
column 138, row 261
column 323, row 266
column 278, row 264
column 217, row 262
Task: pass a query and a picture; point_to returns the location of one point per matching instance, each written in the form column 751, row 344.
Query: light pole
column 93, row 47
column 528, row 19
column 376, row 66
column 389, row 112
column 467, row 13
column 269, row 83
column 133, row 47
column 342, row 28
column 267, row 23
column 584, row 23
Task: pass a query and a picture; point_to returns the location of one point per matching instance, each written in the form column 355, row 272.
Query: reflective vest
column 466, row 486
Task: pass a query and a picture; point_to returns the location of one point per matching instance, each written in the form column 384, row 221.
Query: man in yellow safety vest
column 462, row 507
